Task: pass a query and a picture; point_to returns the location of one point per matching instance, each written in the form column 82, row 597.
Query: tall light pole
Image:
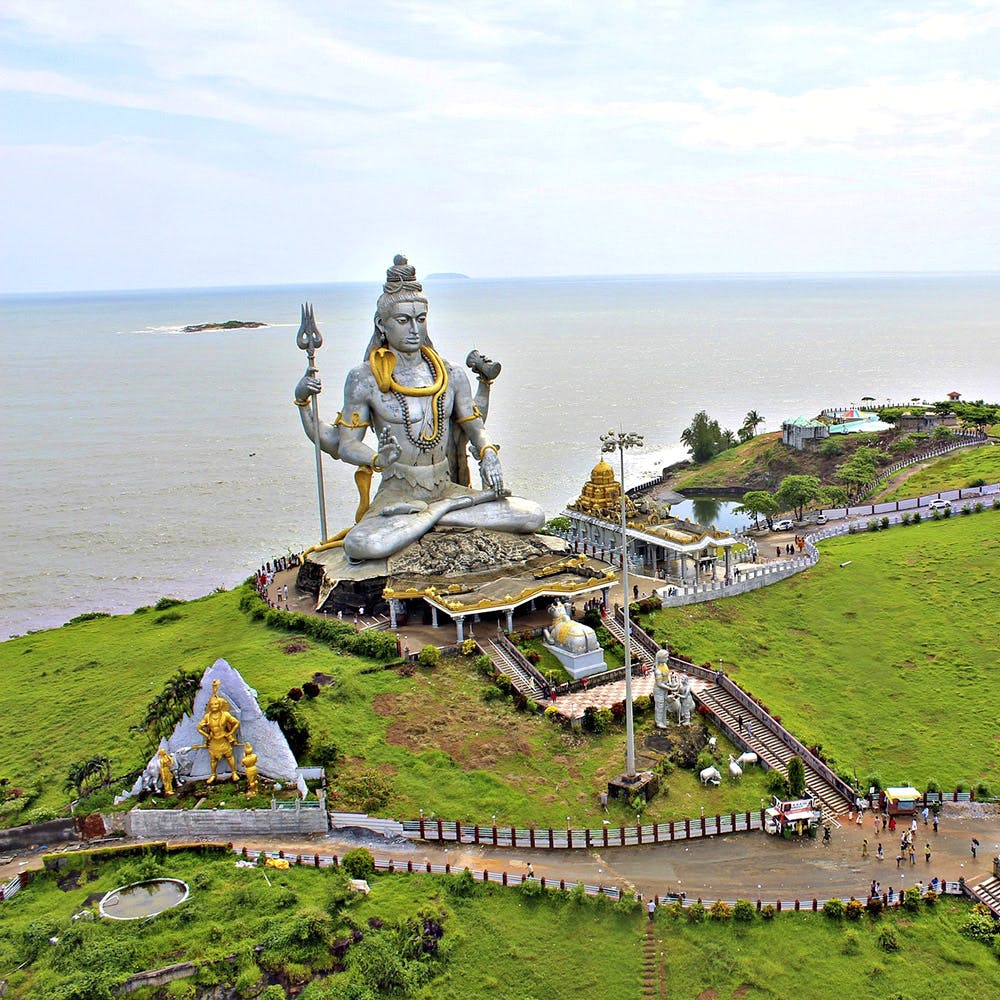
column 619, row 441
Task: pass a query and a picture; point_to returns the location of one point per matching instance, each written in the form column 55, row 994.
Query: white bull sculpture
column 574, row 637
column 710, row 776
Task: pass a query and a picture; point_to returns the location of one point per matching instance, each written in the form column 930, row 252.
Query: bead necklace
column 420, row 441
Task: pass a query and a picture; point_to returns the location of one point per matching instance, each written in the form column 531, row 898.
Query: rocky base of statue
column 645, row 784
column 681, row 744
column 462, row 565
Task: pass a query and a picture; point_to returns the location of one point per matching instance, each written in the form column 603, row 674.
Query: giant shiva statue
column 422, row 413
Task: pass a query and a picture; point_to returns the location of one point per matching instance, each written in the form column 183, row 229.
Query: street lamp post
column 619, row 441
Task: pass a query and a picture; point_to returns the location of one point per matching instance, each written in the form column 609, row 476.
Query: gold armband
column 374, row 465
column 476, row 412
column 301, row 402
column 495, row 448
column 355, row 423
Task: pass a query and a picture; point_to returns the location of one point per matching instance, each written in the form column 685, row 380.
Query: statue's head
column 401, row 289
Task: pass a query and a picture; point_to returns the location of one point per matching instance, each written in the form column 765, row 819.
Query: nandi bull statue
column 574, row 637
column 573, row 644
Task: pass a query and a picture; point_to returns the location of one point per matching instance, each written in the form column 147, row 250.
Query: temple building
column 658, row 544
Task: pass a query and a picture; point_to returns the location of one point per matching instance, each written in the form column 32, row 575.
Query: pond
column 711, row 510
column 143, row 899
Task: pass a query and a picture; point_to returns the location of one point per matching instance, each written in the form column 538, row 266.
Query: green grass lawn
column 888, row 662
column 950, row 473
column 296, row 927
column 811, row 957
column 427, row 741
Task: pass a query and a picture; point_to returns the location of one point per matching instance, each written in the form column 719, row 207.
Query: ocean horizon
column 143, row 462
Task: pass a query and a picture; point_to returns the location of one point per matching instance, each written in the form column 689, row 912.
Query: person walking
column 975, row 846
column 913, row 855
column 927, row 853
column 925, row 813
column 651, row 907
column 864, row 848
column 826, row 835
column 935, row 822
column 879, row 853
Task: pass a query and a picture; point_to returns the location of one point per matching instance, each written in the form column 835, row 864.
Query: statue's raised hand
column 309, row 385
column 388, row 450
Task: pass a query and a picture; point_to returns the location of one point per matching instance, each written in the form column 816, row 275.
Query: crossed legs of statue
column 401, row 524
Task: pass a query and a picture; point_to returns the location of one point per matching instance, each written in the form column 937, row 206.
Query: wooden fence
column 549, row 838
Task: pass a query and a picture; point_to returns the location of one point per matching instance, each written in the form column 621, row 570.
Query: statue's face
column 405, row 327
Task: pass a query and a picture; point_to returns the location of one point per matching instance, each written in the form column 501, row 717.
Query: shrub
column 291, row 723
column 695, row 913
column 874, row 906
column 552, row 713
column 887, row 939
column 325, row 754
column 310, row 689
column 931, row 785
column 295, row 694
column 469, row 646
column 628, row 903
column 876, row 781
column 904, row 518
column 720, row 911
column 743, row 911
column 917, row 517
column 911, row 899
column 430, row 656
column 884, row 523
column 578, row 895
column 978, row 507
column 483, row 665
column 796, row 776
column 167, row 602
column 873, row 525
column 854, row 909
column 930, row 897
column 850, row 944
column 979, row 927
column 90, row 616
column 642, row 703
column 463, row 885
column 358, row 863
column 966, row 510
column 768, row 911
column 982, row 790
column 775, row 783
column 834, row 908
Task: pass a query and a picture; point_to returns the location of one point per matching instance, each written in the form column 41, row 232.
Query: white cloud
column 943, row 26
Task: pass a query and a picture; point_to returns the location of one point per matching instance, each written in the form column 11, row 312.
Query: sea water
column 139, row 461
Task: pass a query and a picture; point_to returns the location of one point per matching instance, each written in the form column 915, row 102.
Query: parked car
column 940, row 504
column 820, row 519
column 785, row 525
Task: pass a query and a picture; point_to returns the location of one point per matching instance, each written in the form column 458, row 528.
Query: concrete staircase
column 519, row 677
column 638, row 650
column 766, row 744
column 988, row 892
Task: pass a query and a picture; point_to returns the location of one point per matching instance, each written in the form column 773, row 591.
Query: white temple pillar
column 434, row 616
column 460, row 627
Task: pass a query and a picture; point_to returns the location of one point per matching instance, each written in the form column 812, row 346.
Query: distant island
column 447, row 274
column 230, row 324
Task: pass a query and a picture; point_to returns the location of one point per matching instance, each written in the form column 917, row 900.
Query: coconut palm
column 751, row 422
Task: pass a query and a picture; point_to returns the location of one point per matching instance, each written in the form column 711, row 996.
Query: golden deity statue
column 250, row 767
column 219, row 729
column 166, row 774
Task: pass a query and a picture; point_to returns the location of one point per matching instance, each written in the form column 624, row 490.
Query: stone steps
column 506, row 664
column 768, row 746
column 988, row 892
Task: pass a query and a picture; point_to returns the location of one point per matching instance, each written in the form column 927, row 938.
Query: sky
column 240, row 142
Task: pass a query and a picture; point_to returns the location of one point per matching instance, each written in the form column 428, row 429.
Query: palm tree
column 751, row 422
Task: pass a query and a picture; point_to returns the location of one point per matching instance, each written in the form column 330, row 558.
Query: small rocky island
column 230, row 324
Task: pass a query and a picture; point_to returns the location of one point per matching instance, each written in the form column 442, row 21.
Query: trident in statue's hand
column 308, row 339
